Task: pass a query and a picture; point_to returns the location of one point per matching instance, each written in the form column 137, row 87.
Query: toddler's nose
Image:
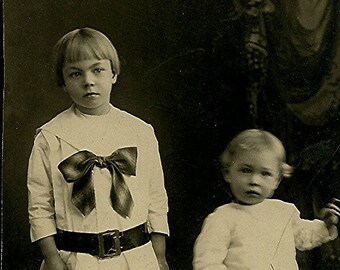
column 254, row 179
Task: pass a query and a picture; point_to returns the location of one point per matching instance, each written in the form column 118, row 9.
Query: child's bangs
column 80, row 49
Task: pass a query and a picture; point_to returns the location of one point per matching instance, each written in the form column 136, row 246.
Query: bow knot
column 78, row 167
column 102, row 162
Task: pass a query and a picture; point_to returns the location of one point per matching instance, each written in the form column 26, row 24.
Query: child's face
column 253, row 175
column 89, row 83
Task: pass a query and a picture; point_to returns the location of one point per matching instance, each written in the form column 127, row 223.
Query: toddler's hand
column 331, row 213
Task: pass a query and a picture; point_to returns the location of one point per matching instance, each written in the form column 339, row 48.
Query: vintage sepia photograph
column 171, row 135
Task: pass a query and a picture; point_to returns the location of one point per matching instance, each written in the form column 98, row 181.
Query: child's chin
column 249, row 202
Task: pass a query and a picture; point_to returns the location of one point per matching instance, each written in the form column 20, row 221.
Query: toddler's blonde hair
column 256, row 139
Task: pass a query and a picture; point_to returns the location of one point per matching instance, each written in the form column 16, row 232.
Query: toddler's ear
column 279, row 181
column 226, row 178
column 225, row 175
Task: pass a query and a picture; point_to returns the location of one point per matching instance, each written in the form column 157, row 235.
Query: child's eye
column 266, row 174
column 75, row 74
column 98, row 70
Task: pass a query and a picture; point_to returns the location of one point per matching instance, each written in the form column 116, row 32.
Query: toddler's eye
column 245, row 170
column 266, row 174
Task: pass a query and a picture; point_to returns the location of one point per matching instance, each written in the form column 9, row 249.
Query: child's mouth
column 91, row 95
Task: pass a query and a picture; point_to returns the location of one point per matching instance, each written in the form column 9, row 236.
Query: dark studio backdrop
column 185, row 71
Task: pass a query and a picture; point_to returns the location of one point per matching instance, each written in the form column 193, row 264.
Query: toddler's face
column 253, row 175
column 89, row 83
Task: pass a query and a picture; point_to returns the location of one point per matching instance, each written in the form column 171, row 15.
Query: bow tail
column 121, row 197
column 83, row 196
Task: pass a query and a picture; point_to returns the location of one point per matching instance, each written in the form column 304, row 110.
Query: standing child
column 255, row 232
column 96, row 189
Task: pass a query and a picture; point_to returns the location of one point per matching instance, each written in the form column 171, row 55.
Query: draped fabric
column 291, row 62
column 301, row 41
column 306, row 58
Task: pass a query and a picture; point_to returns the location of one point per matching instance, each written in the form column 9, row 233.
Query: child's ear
column 114, row 78
column 226, row 175
column 226, row 178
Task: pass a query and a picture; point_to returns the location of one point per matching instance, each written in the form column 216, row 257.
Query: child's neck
column 245, row 204
column 93, row 112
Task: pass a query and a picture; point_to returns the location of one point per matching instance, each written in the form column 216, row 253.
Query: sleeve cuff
column 333, row 233
column 42, row 228
column 158, row 224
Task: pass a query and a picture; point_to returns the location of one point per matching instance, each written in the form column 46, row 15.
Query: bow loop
column 125, row 160
column 78, row 167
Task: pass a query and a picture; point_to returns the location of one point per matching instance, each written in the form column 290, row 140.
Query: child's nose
column 88, row 79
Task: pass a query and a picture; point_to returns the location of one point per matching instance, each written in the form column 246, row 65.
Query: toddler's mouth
column 253, row 193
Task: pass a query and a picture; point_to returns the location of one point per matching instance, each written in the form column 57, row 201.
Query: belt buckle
column 114, row 250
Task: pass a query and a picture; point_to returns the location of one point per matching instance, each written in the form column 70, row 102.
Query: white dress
column 256, row 237
column 50, row 205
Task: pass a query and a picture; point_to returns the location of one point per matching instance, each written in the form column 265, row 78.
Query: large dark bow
column 77, row 169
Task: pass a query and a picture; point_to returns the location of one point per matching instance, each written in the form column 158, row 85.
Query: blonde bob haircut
column 257, row 140
column 83, row 44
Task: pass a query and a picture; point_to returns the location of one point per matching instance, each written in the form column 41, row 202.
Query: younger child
column 95, row 181
column 255, row 232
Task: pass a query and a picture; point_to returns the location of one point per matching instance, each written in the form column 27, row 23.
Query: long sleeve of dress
column 212, row 244
column 40, row 191
column 158, row 207
column 309, row 234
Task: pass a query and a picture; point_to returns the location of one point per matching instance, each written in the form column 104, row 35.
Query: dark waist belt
column 103, row 245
